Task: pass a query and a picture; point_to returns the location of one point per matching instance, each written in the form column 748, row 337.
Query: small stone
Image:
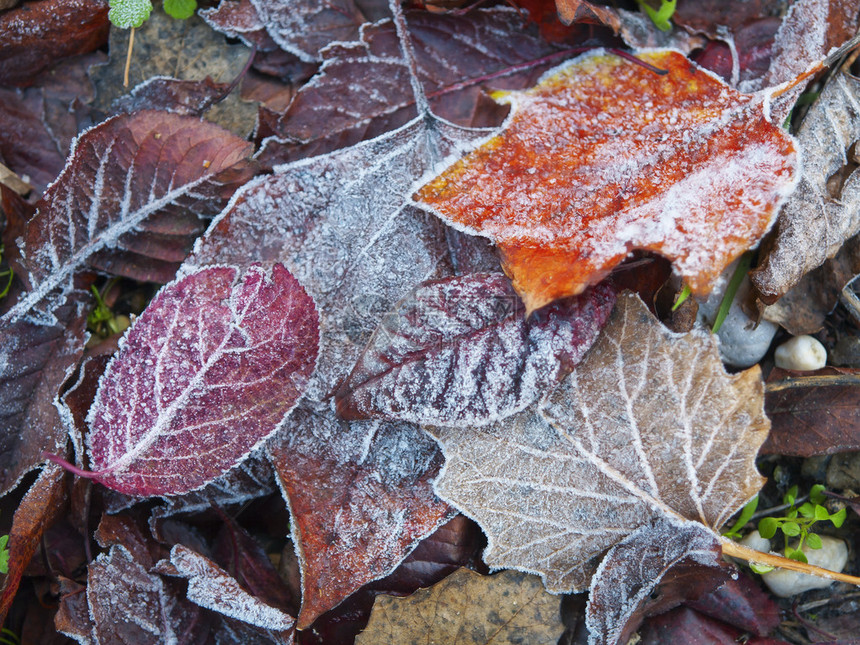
column 754, row 540
column 801, row 353
column 832, row 555
column 742, row 342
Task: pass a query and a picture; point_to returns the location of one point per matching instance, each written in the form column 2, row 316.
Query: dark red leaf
column 684, row 557
column 205, row 375
column 131, row 200
column 740, row 602
column 37, row 34
column 361, row 497
column 683, row 625
column 36, row 360
column 813, row 413
column 707, row 15
column 211, row 587
column 364, row 90
column 40, row 508
column 304, row 27
column 753, row 43
column 128, row 604
column 172, row 95
column 458, row 351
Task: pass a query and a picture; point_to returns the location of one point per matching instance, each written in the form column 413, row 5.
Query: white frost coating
column 213, row 588
column 813, row 224
column 303, row 27
column 460, row 352
column 124, row 600
column 632, row 569
column 648, row 425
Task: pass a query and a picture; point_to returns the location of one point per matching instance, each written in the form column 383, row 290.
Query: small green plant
column 798, row 520
column 101, row 320
column 8, row 637
column 132, row 14
column 660, row 17
column 4, row 554
column 746, row 515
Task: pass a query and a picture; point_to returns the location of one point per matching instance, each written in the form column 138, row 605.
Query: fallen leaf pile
column 387, row 334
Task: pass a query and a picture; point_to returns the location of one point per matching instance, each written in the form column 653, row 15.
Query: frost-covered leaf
column 623, row 589
column 469, row 609
column 361, row 498
column 363, row 88
column 171, row 95
column 825, row 210
column 648, row 425
column 35, row 361
column 573, row 11
column 459, row 351
column 128, row 604
column 43, row 504
column 605, row 156
column 129, row 201
column 239, row 20
column 37, row 34
column 205, row 375
column 304, row 27
column 213, row 588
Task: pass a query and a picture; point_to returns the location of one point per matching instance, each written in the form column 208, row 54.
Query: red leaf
column 128, row 604
column 459, row 351
column 172, row 95
column 742, row 603
column 205, row 375
column 37, row 34
column 363, row 88
column 604, row 156
column 361, row 497
column 35, row 361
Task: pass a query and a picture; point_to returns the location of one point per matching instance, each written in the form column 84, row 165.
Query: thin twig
column 736, row 550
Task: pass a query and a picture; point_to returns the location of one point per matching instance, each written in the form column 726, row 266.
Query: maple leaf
column 469, row 609
column 204, row 376
column 648, row 428
column 823, row 212
column 604, row 156
column 458, row 351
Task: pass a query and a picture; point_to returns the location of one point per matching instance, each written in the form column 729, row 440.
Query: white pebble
column 832, row 555
column 801, row 353
column 755, row 541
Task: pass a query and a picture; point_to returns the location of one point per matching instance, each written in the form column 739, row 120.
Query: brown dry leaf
column 43, row 504
column 825, row 209
column 467, row 608
column 649, row 427
column 604, row 156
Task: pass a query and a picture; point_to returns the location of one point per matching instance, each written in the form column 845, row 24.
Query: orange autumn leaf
column 605, row 156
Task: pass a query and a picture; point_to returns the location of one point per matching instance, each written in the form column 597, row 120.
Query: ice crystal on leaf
column 204, row 376
column 605, row 156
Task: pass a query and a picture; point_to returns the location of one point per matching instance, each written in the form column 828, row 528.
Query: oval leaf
column 459, row 351
column 204, row 376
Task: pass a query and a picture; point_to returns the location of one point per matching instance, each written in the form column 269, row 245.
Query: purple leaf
column 459, row 351
column 205, row 375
